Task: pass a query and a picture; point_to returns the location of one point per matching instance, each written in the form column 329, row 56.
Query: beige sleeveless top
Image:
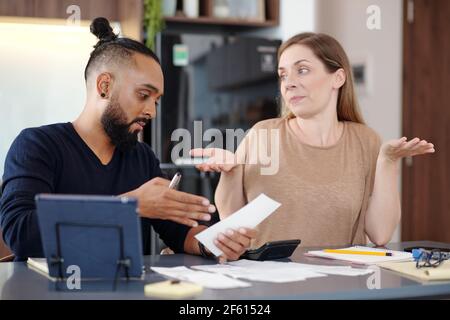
column 324, row 191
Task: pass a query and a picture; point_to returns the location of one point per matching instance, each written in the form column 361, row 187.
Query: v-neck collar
column 91, row 153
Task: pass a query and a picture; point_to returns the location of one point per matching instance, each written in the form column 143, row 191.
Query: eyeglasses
column 429, row 259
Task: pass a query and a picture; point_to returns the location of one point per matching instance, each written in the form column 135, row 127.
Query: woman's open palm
column 219, row 160
column 397, row 149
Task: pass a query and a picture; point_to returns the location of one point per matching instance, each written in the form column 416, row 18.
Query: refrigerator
column 214, row 84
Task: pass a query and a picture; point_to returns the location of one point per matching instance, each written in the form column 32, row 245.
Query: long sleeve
column 171, row 233
column 29, row 170
column 54, row 159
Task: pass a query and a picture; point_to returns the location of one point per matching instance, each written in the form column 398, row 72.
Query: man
column 98, row 153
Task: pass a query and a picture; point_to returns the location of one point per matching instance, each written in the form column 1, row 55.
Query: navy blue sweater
column 54, row 159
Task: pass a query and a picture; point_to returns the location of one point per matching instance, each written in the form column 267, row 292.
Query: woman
column 336, row 182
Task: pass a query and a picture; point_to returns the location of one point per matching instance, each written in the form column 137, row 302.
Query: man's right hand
column 157, row 201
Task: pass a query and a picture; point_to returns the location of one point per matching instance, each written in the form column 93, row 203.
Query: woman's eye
column 282, row 77
column 303, row 71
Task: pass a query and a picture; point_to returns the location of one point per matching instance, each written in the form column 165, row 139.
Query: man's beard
column 114, row 121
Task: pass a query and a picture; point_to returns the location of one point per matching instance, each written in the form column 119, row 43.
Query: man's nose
column 150, row 110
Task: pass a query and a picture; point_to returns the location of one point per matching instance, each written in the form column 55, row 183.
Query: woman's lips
column 296, row 99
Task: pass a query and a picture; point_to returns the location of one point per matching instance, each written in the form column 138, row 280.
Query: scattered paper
column 248, row 216
column 205, row 279
column 338, row 270
column 279, row 272
column 294, row 266
column 262, row 275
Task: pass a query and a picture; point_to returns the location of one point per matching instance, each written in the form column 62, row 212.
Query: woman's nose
column 290, row 82
column 289, row 85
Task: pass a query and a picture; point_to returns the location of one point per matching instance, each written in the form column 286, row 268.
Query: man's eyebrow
column 296, row 63
column 151, row 87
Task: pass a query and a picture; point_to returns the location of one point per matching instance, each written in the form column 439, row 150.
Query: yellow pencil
column 368, row 253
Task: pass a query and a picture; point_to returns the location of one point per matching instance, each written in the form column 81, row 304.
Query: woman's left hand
column 394, row 150
column 233, row 243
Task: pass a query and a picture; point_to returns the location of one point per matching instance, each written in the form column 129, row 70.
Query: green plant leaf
column 153, row 21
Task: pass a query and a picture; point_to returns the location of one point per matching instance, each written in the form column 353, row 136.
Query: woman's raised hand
column 219, row 160
column 394, row 150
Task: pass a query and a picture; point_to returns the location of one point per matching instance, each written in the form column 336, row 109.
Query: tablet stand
column 122, row 262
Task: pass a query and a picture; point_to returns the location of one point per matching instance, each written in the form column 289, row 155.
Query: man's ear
column 104, row 84
column 339, row 78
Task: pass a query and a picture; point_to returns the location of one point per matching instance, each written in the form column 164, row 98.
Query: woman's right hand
column 220, row 160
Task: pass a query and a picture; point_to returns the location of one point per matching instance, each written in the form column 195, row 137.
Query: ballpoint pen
column 175, row 181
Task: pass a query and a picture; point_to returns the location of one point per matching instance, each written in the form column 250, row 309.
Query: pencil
column 367, row 253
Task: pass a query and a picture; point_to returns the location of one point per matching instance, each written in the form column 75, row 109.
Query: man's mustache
column 143, row 120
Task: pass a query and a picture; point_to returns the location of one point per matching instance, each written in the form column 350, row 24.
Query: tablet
column 100, row 236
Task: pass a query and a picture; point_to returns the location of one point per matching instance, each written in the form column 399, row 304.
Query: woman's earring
column 103, row 95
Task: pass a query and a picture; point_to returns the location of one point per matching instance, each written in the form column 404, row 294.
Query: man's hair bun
column 102, row 30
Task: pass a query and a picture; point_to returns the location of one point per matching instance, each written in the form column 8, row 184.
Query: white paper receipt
column 248, row 216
